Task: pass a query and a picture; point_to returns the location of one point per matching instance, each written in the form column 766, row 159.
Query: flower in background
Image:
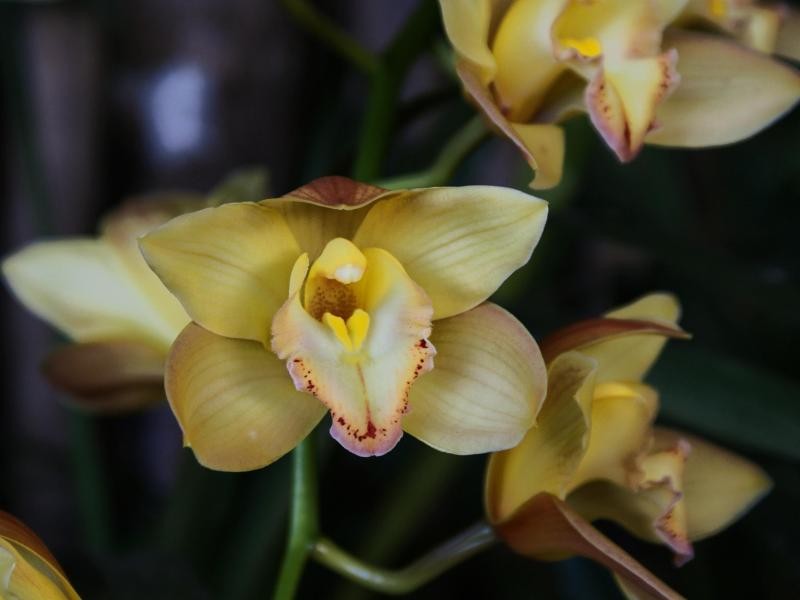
column 28, row 571
column 353, row 289
column 594, row 454
column 640, row 75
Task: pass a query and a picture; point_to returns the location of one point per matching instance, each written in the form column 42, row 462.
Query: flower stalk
column 407, row 579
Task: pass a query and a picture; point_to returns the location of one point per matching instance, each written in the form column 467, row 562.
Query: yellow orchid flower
column 594, row 453
column 530, row 64
column 28, row 571
column 352, row 289
column 101, row 294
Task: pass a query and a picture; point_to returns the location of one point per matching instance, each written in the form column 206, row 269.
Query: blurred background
column 107, row 100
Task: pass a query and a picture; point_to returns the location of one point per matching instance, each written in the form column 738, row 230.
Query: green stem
column 405, row 580
column 452, row 155
column 327, row 31
column 303, row 526
column 385, row 84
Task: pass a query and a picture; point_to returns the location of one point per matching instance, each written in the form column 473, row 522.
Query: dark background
column 105, row 100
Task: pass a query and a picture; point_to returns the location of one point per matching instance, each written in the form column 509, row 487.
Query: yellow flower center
column 717, row 8
column 586, row 46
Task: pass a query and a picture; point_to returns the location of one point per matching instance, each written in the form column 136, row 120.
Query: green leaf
column 729, row 399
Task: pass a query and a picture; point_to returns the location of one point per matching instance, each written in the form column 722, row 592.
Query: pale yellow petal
column 546, row 143
column 545, row 528
column 547, row 457
column 229, row 266
column 84, row 288
column 526, row 64
column 718, row 486
column 235, row 402
column 459, row 244
column 486, row 389
column 467, row 23
column 366, row 386
column 629, row 357
column 727, row 93
column 622, row 415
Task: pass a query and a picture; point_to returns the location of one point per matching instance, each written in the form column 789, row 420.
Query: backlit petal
column 545, row 528
column 718, row 486
column 110, row 376
column 234, row 401
column 547, row 457
column 366, row 388
column 486, row 389
column 229, row 266
column 467, row 25
column 727, row 93
column 459, row 244
column 629, row 357
column 84, row 288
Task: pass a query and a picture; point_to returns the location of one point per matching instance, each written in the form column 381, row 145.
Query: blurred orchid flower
column 101, row 294
column 594, row 454
column 28, row 571
column 530, row 64
column 353, row 289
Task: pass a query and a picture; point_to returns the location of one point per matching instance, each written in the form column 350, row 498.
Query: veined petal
column 546, row 528
column 653, row 511
column 229, row 266
column 718, row 486
column 459, row 244
column 365, row 386
column 487, row 387
column 234, row 401
column 622, row 99
column 629, row 357
column 27, row 568
column 547, row 457
column 109, row 376
column 83, row 287
column 622, row 415
column 526, row 64
column 727, row 93
column 324, row 209
column 467, row 25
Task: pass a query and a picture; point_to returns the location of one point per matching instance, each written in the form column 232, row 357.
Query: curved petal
column 487, row 387
column 229, row 266
column 629, row 357
column 467, row 23
column 110, row 376
column 361, row 376
column 727, row 93
column 547, row 457
column 546, row 143
column 83, row 287
column 324, row 209
column 27, row 568
column 459, row 244
column 718, row 486
column 234, row 401
column 545, row 528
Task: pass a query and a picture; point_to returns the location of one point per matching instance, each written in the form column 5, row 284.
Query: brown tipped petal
column 545, row 528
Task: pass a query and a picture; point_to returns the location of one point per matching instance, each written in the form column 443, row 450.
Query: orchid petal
column 83, row 287
column 467, row 25
column 629, row 357
column 546, row 143
column 487, row 387
column 459, row 244
column 546, row 528
column 718, row 486
column 109, row 376
column 229, row 266
column 788, row 42
column 27, row 568
column 364, row 381
column 547, row 457
column 727, row 93
column 234, row 402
